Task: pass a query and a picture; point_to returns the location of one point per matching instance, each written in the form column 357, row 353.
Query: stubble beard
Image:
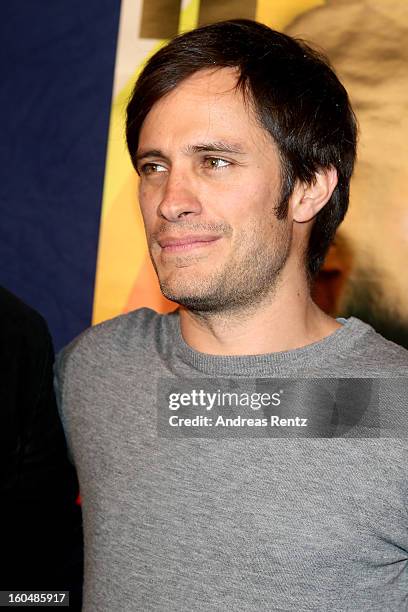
column 241, row 283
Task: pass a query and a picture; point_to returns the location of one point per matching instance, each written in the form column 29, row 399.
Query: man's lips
column 171, row 244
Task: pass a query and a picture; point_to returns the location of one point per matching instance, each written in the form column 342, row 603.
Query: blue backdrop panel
column 57, row 73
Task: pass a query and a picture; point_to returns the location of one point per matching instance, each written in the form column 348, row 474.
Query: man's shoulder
column 374, row 351
column 124, row 333
column 134, row 324
column 18, row 319
column 24, row 338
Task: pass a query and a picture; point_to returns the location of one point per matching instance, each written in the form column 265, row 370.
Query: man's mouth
column 170, row 244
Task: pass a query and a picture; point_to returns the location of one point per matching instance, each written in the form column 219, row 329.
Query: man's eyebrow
column 218, row 146
column 149, row 153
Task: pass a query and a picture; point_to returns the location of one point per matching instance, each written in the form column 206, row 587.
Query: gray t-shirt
column 246, row 524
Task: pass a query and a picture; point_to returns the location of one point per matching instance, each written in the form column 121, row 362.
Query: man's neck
column 285, row 321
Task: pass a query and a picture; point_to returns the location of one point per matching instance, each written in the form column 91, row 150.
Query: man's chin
column 197, row 302
column 189, row 301
column 184, row 284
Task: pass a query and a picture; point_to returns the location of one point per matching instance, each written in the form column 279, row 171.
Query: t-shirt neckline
column 340, row 341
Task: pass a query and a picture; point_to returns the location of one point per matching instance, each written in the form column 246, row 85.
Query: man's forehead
column 212, row 89
column 209, row 106
column 208, row 112
column 217, row 80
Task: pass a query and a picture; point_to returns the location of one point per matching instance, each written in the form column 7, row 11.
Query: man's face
column 210, row 181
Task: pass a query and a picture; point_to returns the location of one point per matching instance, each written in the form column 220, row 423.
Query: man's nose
column 179, row 198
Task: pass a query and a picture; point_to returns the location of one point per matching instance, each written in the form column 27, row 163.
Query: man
column 244, row 141
column 41, row 530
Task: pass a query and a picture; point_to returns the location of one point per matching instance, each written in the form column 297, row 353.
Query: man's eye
column 216, row 163
column 151, row 168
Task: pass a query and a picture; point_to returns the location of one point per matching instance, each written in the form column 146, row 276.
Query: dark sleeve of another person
column 41, row 526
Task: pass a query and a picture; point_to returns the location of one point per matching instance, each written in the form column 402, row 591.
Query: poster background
column 57, row 63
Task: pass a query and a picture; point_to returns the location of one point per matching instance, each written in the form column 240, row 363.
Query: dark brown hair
column 295, row 94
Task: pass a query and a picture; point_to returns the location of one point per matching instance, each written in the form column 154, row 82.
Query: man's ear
column 309, row 199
